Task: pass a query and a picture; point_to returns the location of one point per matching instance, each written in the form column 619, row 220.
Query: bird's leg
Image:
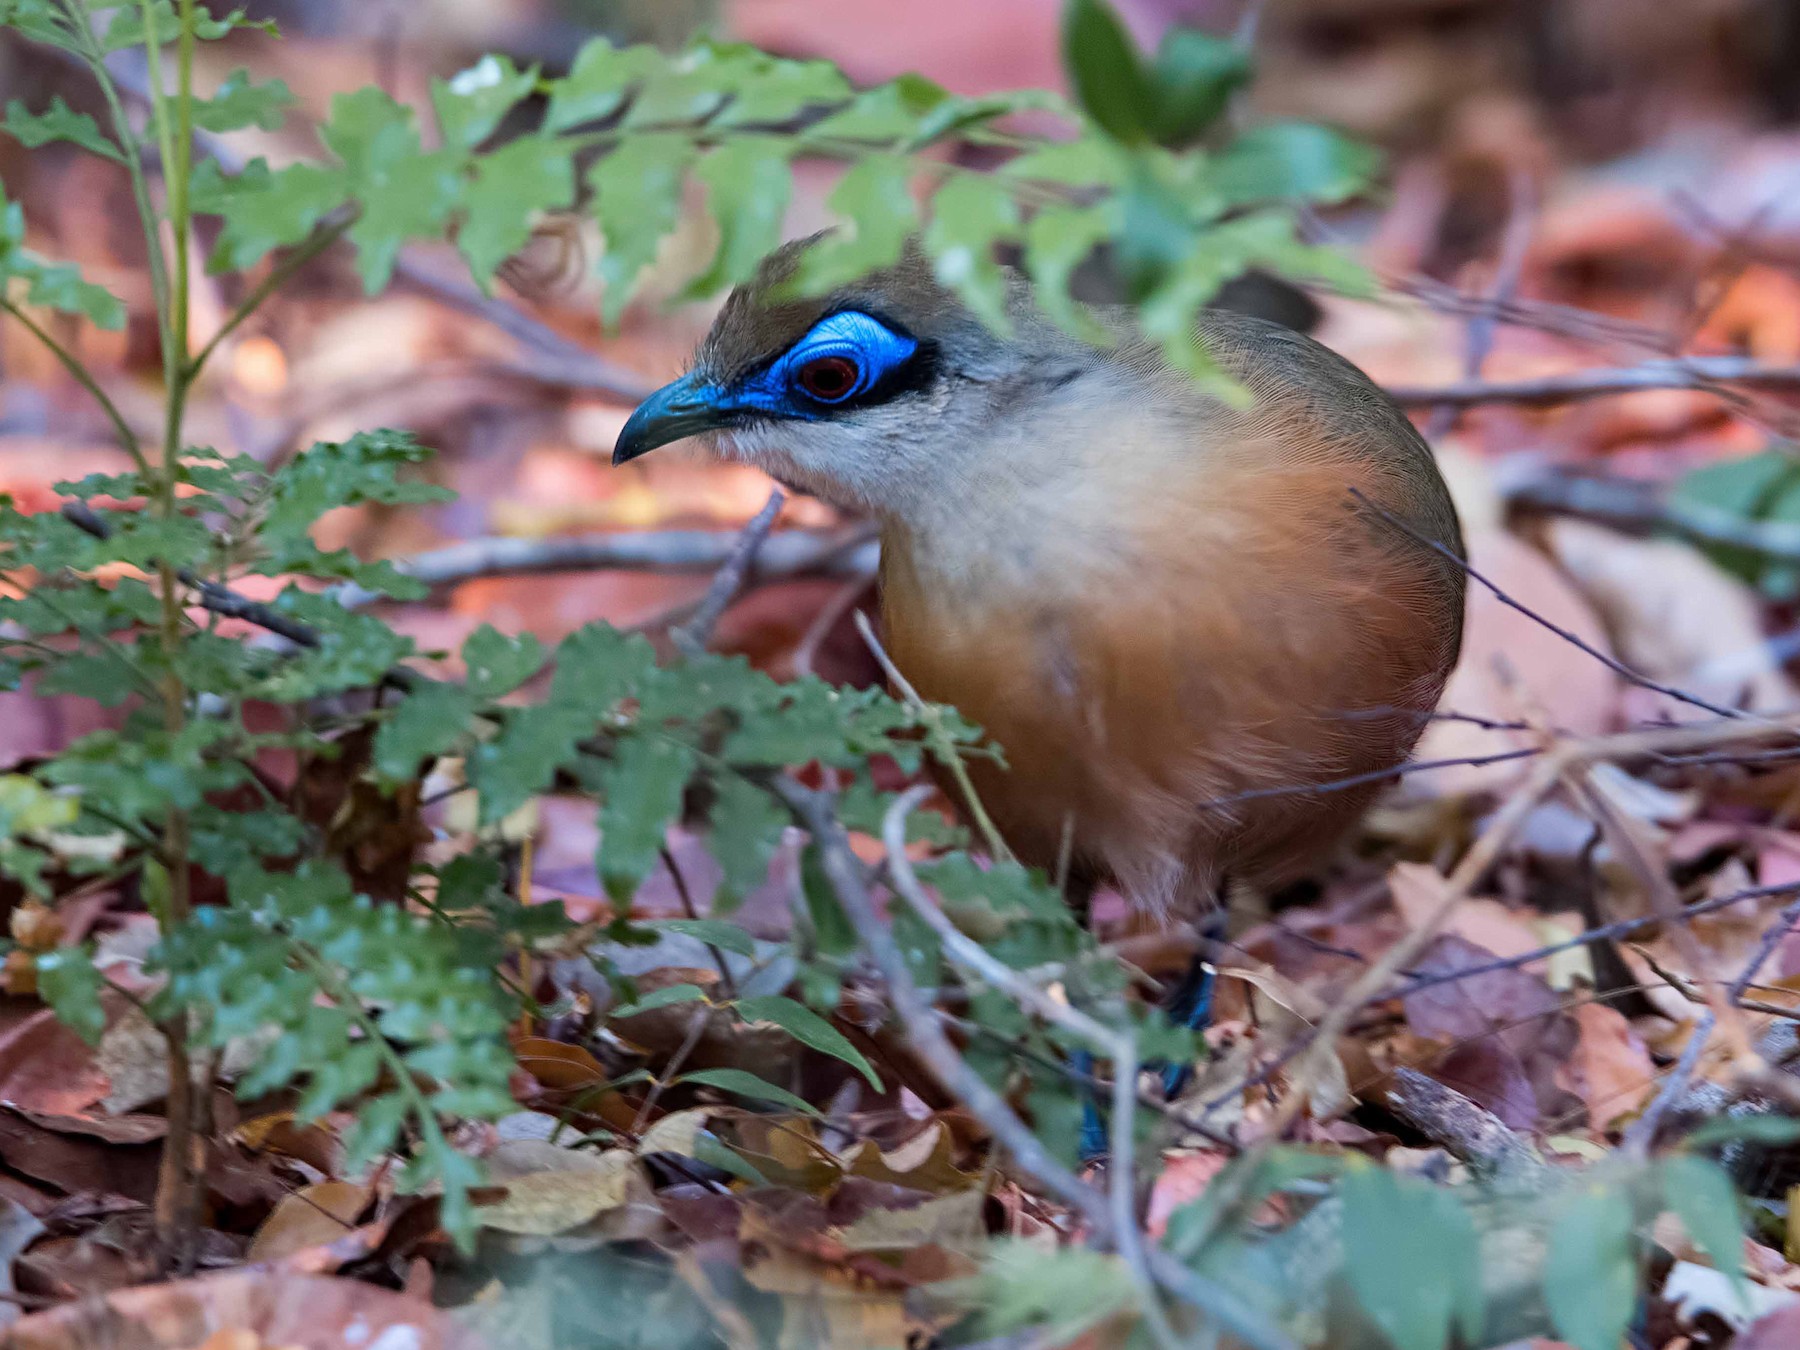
column 1189, row 1003
column 1078, row 894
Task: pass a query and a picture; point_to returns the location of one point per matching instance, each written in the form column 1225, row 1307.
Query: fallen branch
column 1686, row 372
column 847, row 552
column 1631, row 505
column 1470, row 1132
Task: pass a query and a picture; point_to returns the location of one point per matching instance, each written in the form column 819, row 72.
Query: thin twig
column 691, row 638
column 848, row 552
column 971, row 955
column 1624, row 928
column 1373, row 985
column 944, row 748
column 1514, row 246
column 1618, row 667
column 1687, row 372
column 1641, row 1133
column 1629, row 846
column 1783, row 925
column 278, row 276
column 1468, row 1130
column 1633, row 505
column 128, row 439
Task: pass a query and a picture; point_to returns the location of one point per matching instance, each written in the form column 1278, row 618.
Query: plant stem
column 127, row 437
column 278, row 277
column 177, row 1209
column 134, row 154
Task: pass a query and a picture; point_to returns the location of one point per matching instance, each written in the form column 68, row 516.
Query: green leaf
column 777, row 91
column 405, row 192
column 637, row 201
column 1292, row 161
column 425, row 724
column 72, row 986
column 599, row 82
column 497, row 664
column 1087, row 161
column 511, row 187
column 642, row 784
column 875, row 201
column 746, row 825
column 39, row 21
column 1103, row 64
column 471, row 103
column 1198, row 1226
column 807, row 1027
column 265, row 210
column 58, row 122
column 61, row 286
column 366, row 468
column 127, row 28
column 53, row 285
column 970, row 217
column 522, row 760
column 1155, row 235
column 727, row 937
column 748, row 183
column 888, row 114
column 676, row 95
column 1701, row 1194
column 1717, row 499
column 1412, row 1257
column 746, row 1084
column 1058, row 1292
column 1194, row 75
column 1773, row 1131
column 241, row 102
column 1057, row 241
column 965, row 116
column 666, row 997
column 1591, row 1270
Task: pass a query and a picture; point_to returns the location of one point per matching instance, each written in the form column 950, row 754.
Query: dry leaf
column 310, row 1217
column 1512, row 664
column 1610, row 1070
column 953, row 1222
column 1676, row 616
column 550, row 1190
column 282, row 1309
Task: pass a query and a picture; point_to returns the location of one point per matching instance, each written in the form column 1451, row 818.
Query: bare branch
column 847, row 552
column 1633, row 505
column 691, row 637
column 1686, row 372
column 1469, row 1131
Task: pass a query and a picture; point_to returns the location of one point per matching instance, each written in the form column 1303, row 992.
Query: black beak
column 685, row 408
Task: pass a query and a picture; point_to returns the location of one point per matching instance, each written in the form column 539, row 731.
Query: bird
column 1183, row 617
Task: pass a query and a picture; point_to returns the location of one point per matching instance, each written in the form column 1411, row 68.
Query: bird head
column 862, row 397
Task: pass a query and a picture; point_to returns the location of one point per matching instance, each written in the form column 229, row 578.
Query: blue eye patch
column 843, row 357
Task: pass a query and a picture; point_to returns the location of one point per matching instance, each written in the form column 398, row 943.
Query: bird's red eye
column 828, row 379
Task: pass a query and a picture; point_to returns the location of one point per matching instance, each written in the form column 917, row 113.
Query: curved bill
column 685, row 408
